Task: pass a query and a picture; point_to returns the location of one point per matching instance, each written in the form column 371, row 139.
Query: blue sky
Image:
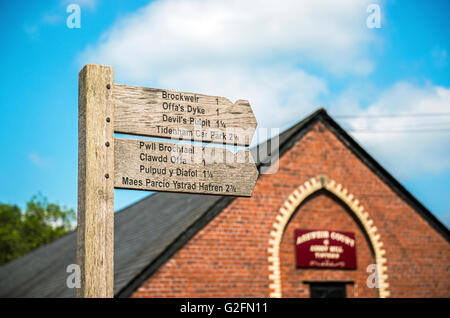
column 287, row 61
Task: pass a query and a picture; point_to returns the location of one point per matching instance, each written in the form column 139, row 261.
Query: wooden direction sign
column 169, row 114
column 161, row 166
column 105, row 163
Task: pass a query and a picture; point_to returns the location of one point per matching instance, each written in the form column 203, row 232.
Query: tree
column 41, row 223
column 11, row 245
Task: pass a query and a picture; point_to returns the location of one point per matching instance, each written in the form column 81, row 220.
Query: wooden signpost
column 105, row 162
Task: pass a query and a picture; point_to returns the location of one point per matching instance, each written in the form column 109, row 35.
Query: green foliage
column 41, row 223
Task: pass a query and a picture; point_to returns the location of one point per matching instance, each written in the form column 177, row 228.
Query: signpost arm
column 95, row 241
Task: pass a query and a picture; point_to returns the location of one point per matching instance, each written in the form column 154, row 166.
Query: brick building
column 348, row 208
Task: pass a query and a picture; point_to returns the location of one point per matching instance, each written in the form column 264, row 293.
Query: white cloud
column 30, row 29
column 37, row 160
column 440, row 57
column 240, row 49
column 171, row 33
column 167, row 35
column 407, row 154
column 52, row 18
column 259, row 50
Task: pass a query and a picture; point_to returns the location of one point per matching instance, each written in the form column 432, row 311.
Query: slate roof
column 149, row 232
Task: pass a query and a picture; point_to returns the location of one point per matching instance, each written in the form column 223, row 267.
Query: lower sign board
column 325, row 249
column 176, row 167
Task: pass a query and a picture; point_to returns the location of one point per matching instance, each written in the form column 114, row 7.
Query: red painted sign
column 325, row 249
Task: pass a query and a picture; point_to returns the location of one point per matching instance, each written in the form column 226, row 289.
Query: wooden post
column 95, row 246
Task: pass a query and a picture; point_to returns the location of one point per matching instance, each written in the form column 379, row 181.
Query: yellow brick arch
column 289, row 207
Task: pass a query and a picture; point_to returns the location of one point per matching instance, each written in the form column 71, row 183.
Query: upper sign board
column 170, row 114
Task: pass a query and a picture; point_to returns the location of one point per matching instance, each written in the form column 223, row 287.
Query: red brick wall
column 228, row 257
